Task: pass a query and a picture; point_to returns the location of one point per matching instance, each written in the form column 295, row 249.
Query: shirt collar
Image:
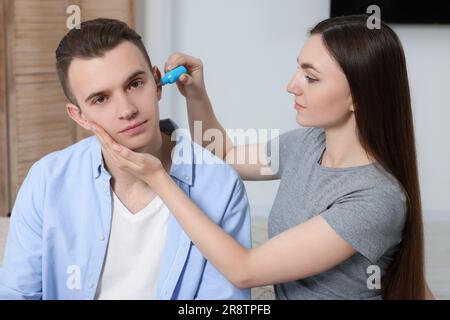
column 182, row 160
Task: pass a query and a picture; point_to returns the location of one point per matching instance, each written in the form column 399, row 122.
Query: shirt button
column 91, row 285
column 186, row 178
column 101, row 237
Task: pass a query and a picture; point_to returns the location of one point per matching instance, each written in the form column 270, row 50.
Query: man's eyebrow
column 307, row 65
column 133, row 75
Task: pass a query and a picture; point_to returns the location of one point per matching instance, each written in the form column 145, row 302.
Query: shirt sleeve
column 20, row 274
column 281, row 149
column 236, row 222
column 371, row 221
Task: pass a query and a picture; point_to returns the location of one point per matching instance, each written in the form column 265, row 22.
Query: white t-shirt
column 135, row 246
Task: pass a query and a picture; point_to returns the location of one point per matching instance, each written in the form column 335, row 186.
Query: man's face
column 117, row 91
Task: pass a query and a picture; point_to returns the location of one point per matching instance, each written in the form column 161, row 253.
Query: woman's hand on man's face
column 144, row 166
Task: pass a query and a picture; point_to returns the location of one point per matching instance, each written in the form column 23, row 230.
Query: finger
column 186, row 79
column 111, row 153
column 109, row 146
column 127, row 154
column 105, row 138
column 104, row 143
column 174, row 60
column 98, row 135
column 127, row 157
column 178, row 58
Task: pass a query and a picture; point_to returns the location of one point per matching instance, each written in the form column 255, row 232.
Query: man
column 82, row 228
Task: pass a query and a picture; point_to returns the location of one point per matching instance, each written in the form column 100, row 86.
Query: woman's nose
column 294, row 86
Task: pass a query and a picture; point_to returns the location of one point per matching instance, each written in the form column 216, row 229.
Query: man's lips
column 134, row 125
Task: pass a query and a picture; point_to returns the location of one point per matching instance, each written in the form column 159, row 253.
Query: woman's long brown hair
column 374, row 63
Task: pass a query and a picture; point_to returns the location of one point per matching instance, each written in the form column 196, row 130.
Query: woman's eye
column 309, row 79
column 136, row 84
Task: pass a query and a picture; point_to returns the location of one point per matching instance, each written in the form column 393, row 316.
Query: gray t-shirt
column 365, row 205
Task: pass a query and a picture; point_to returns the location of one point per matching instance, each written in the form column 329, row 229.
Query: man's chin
column 139, row 143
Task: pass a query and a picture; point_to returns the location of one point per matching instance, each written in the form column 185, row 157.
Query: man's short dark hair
column 93, row 39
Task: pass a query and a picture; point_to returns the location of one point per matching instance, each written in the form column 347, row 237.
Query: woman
column 348, row 205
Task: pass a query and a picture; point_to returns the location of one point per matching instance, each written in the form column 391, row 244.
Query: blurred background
column 249, row 50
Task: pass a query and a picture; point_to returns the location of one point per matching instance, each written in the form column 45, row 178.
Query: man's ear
column 157, row 77
column 75, row 113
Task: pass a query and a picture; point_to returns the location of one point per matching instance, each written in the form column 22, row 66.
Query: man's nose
column 126, row 108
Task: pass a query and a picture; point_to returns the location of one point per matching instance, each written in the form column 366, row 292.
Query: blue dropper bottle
column 173, row 75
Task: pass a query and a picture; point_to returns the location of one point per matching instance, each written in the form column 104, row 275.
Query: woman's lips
column 299, row 106
column 134, row 129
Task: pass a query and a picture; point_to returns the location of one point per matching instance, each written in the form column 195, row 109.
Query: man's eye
column 136, row 84
column 100, row 100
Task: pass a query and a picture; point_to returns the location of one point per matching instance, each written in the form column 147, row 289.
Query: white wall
column 427, row 50
column 153, row 23
column 249, row 50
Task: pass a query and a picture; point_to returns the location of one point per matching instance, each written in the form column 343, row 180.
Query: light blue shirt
column 61, row 221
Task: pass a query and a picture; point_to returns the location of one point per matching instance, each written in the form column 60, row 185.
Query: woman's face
column 322, row 94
